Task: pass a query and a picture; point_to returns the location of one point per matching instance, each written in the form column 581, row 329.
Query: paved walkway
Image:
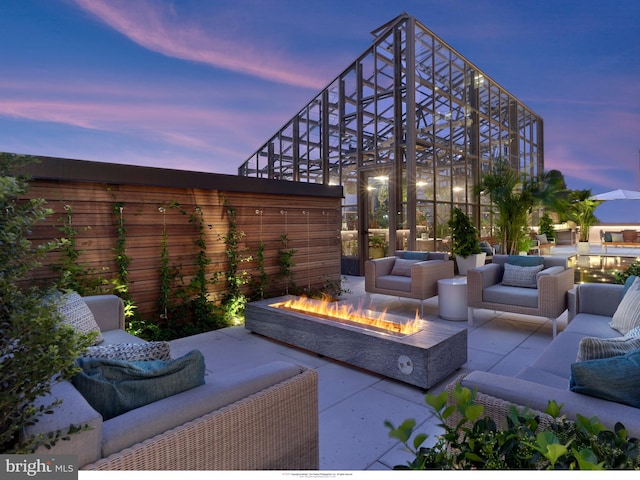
column 354, row 403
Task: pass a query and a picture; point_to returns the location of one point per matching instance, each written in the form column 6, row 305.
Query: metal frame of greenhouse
column 407, row 130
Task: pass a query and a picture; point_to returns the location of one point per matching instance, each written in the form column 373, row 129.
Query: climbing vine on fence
column 75, row 275
column 233, row 300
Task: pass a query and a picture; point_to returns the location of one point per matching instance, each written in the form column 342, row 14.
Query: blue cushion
column 113, row 387
column 525, row 260
column 607, row 237
column 421, row 256
column 486, row 248
column 627, row 284
column 613, row 378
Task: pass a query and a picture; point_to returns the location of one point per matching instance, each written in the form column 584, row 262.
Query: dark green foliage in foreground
column 36, row 350
column 475, row 442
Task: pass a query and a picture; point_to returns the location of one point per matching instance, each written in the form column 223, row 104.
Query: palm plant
column 514, row 196
column 581, row 211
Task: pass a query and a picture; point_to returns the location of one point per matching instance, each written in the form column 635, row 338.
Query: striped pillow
column 593, row 348
column 627, row 315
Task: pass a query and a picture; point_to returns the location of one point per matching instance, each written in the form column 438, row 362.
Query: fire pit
column 413, row 351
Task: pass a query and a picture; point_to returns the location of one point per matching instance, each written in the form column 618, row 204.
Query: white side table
column 452, row 298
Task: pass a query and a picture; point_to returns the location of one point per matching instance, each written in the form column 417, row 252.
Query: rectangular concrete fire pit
column 421, row 359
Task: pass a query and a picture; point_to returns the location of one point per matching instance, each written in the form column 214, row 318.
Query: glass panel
column 377, row 186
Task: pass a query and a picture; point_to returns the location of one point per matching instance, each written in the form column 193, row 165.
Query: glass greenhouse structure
column 407, row 130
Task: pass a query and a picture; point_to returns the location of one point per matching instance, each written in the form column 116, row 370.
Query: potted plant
column 524, row 245
column 581, row 211
column 545, row 227
column 377, row 246
column 465, row 242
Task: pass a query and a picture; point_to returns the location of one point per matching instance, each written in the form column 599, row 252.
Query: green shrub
column 634, row 269
column 36, row 349
column 476, row 443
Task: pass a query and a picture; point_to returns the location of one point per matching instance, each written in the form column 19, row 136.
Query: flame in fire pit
column 333, row 311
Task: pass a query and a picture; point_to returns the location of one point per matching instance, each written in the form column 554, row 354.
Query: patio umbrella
column 617, row 195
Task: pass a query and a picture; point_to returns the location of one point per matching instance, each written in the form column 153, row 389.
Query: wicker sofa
column 485, row 289
column 262, row 418
column 591, row 308
column 407, row 274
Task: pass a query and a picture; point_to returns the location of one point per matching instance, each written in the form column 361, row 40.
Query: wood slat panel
column 310, row 223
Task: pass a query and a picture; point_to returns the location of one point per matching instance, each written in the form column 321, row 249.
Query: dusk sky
column 202, row 84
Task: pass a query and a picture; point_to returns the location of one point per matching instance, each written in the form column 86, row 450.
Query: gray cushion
column 588, row 324
column 517, row 276
column 75, row 312
column 403, row 267
column 113, row 387
column 550, row 271
column 132, row 352
column 503, row 294
column 542, row 238
column 614, row 378
column 143, row 423
column 627, row 315
column 394, row 282
column 593, row 348
column 559, row 355
column 616, row 237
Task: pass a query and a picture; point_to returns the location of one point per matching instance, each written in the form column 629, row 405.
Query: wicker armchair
column 409, row 277
column 549, row 299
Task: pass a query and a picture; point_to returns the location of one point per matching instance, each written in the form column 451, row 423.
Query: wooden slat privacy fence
column 310, row 222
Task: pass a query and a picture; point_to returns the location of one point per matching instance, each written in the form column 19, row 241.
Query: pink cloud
column 160, row 30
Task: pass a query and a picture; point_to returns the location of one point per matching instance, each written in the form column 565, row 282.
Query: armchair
column 546, row 297
column 407, row 274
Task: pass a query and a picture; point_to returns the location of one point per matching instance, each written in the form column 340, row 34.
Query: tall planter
column 581, row 211
column 465, row 242
column 472, row 261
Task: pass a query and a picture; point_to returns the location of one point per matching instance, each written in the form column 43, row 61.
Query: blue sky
column 201, row 84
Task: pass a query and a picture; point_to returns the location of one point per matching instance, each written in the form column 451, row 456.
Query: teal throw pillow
column 627, row 284
column 113, row 387
column 607, row 237
column 525, row 260
column 421, row 256
column 613, row 378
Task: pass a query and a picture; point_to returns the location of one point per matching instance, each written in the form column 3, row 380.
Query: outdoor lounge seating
column 624, row 238
column 408, row 274
column 612, row 390
column 263, row 418
column 543, row 293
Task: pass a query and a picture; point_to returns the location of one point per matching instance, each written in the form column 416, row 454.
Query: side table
column 452, row 298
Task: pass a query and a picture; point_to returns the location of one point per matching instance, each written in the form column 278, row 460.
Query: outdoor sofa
column 408, row 274
column 589, row 353
column 624, row 238
column 262, row 418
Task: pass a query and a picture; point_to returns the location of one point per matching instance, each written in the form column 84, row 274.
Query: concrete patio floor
column 354, row 403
